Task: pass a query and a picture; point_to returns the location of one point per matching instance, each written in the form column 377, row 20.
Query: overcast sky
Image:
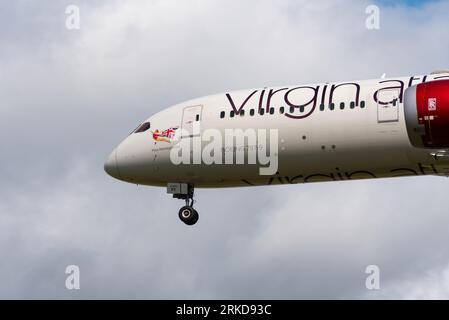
column 68, row 97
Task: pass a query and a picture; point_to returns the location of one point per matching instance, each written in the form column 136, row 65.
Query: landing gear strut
column 187, row 214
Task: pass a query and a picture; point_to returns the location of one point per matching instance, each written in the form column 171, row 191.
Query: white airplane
column 387, row 127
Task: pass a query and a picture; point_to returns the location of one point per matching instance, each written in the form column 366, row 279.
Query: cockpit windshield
column 143, row 127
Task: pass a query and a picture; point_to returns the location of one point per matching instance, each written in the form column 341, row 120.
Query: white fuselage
column 326, row 132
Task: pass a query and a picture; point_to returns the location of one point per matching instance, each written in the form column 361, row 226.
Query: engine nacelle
column 426, row 107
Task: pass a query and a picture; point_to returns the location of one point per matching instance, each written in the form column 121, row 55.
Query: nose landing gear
column 187, row 214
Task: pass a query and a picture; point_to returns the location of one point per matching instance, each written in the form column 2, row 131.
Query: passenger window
column 251, row 112
column 281, row 110
column 197, row 118
column 322, row 107
column 342, row 106
column 261, row 111
column 144, row 127
column 352, row 105
column 362, row 104
column 242, row 113
column 222, row 114
column 332, row 106
column 292, row 109
column 231, row 114
column 271, row 110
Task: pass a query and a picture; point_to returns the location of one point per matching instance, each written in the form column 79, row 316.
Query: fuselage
column 325, row 132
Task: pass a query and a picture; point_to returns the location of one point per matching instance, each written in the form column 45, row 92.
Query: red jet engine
column 426, row 108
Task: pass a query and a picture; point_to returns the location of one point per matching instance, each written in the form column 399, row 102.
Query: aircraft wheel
column 188, row 215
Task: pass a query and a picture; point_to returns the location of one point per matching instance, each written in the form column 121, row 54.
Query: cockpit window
column 143, row 127
column 134, row 130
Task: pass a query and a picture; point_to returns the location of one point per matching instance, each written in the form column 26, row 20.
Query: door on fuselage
column 191, row 120
column 388, row 105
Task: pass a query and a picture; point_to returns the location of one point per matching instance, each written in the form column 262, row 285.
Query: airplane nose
column 110, row 166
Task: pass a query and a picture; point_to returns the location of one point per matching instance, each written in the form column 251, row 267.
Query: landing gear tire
column 188, row 215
